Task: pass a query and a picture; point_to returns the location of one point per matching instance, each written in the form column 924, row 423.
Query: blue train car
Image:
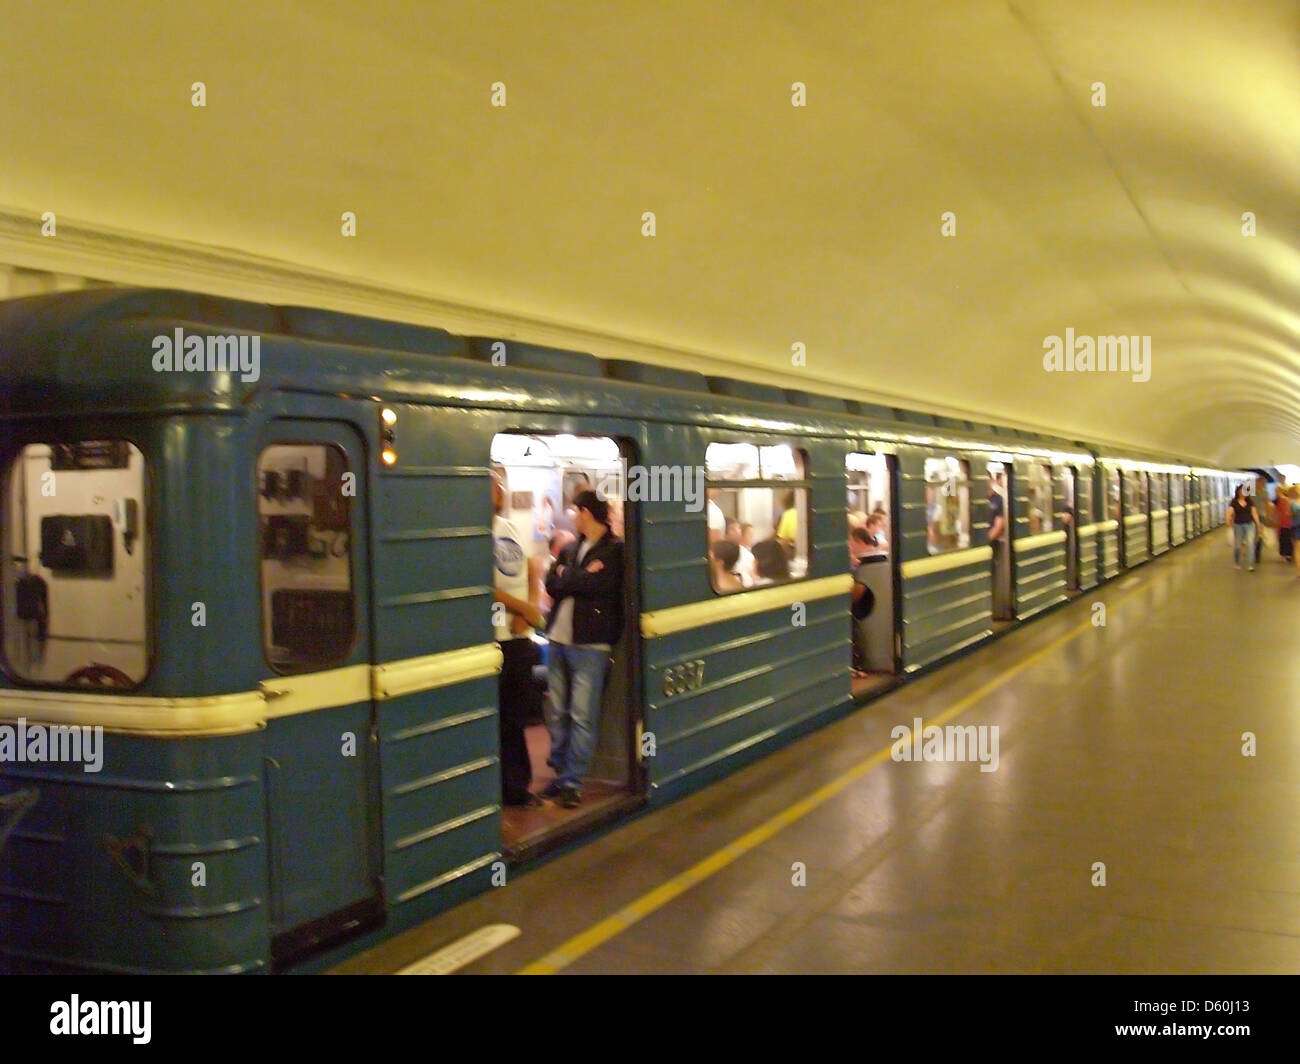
column 250, row 670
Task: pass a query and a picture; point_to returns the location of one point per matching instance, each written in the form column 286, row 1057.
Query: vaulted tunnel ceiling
column 775, row 224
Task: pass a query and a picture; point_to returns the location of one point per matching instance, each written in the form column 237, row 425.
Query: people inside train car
column 875, row 528
column 717, row 519
column 934, row 517
column 586, row 585
column 723, row 556
column 515, row 590
column 558, row 541
column 1282, row 518
column 863, row 547
column 575, row 484
column 770, row 562
column 744, row 567
column 1245, row 525
column 861, row 601
column 787, row 528
column 1264, row 513
column 853, row 519
column 545, row 523
column 997, row 508
column 615, row 515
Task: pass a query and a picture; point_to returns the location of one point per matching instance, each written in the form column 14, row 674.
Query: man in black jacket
column 586, row 585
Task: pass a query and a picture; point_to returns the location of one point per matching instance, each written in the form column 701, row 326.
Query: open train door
column 876, row 600
column 1069, row 482
column 1002, row 492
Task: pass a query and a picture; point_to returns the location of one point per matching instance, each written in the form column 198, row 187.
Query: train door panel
column 321, row 773
column 541, row 475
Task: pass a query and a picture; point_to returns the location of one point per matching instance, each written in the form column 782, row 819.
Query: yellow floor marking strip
column 598, row 934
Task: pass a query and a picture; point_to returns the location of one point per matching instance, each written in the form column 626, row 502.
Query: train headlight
column 388, row 436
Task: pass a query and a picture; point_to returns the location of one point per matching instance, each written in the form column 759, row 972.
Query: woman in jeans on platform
column 1245, row 526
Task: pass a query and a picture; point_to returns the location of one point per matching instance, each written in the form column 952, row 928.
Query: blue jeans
column 576, row 676
column 1243, row 544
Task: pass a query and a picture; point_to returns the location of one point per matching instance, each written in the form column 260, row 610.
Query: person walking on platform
column 586, row 584
column 1294, row 495
column 1263, row 514
column 1285, row 544
column 1245, row 523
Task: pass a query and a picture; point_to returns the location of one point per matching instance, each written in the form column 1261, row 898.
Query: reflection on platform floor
column 1122, row 831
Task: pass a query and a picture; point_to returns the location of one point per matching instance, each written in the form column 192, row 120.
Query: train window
column 731, row 461
column 757, row 515
column 76, row 565
column 1113, row 493
column 304, row 523
column 1039, row 501
column 867, row 503
column 1177, row 490
column 947, row 504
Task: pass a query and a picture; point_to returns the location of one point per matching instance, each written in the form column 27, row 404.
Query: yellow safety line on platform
column 598, row 934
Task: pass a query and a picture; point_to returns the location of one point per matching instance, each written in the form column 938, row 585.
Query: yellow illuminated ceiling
column 775, row 224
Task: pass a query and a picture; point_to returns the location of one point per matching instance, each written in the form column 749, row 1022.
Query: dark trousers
column 1285, row 543
column 514, row 693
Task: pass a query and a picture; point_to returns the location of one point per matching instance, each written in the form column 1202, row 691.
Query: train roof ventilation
column 530, row 356
column 759, row 393
column 816, row 401
column 331, row 326
column 655, row 376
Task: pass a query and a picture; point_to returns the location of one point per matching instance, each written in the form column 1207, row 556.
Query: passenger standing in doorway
column 516, row 591
column 1245, row 523
column 997, row 510
column 586, row 584
column 998, row 542
column 1295, row 524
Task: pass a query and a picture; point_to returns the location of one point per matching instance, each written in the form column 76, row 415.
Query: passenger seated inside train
column 877, row 526
column 771, row 562
column 724, row 555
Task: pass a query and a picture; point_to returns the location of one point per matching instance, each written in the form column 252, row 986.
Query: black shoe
column 528, row 801
column 552, row 790
column 571, row 798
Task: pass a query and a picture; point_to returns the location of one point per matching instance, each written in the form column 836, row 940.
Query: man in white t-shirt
column 514, row 614
column 717, row 519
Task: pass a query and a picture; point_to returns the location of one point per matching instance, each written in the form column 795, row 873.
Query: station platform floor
column 1119, row 746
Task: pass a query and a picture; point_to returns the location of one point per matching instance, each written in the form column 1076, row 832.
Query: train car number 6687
column 685, row 677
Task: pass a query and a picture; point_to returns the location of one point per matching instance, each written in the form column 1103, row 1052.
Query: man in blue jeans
column 586, row 586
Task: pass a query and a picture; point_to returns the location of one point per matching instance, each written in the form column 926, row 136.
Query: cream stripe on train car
column 943, row 562
column 730, row 607
column 243, row 711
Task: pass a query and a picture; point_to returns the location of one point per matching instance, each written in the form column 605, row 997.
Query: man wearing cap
column 586, row 585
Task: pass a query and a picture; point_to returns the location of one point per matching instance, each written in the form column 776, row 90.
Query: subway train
column 248, row 710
